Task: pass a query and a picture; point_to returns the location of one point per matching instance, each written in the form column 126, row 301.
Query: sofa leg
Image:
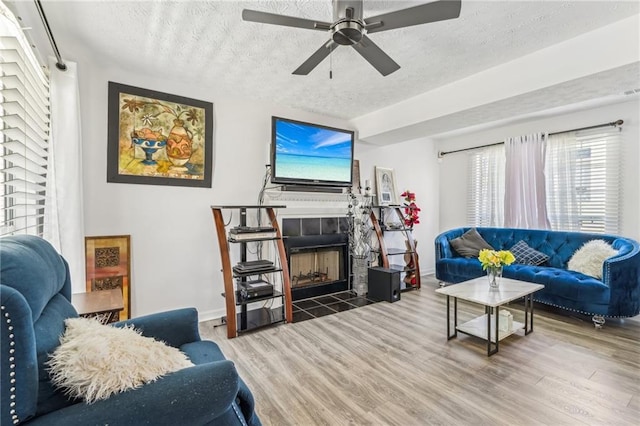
column 441, row 283
column 598, row 321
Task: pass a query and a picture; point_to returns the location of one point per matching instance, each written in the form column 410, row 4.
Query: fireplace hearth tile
column 321, row 311
column 359, row 301
column 344, row 295
column 306, row 304
column 327, row 300
column 341, row 306
column 325, row 305
column 301, row 316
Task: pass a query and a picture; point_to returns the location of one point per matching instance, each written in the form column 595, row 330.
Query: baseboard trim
column 215, row 314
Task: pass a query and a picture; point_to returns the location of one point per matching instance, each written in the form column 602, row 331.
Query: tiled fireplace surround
column 317, row 254
column 318, row 258
column 321, row 217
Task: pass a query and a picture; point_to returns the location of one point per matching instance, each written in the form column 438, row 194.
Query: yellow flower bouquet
column 492, row 261
column 495, row 259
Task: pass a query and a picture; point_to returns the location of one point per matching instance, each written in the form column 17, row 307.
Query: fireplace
column 317, row 254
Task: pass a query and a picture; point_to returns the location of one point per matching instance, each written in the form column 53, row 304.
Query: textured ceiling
column 207, row 42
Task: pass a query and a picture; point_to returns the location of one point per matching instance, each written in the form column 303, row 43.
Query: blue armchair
column 35, row 294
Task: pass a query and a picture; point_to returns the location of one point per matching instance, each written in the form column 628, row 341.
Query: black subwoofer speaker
column 384, row 284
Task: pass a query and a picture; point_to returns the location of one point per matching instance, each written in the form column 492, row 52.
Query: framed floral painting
column 159, row 139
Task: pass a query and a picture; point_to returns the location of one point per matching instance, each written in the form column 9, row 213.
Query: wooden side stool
column 103, row 304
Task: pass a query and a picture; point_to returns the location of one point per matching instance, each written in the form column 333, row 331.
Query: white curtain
column 525, row 203
column 562, row 203
column 64, row 215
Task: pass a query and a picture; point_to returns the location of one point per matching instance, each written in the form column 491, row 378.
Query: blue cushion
column 48, row 329
column 526, row 255
column 202, row 351
column 45, row 277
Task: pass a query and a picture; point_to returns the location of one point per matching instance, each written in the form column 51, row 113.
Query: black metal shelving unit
column 248, row 320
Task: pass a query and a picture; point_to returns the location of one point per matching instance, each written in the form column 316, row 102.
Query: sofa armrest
column 443, row 248
column 18, row 361
column 622, row 274
column 246, row 402
column 175, row 328
column 192, row 396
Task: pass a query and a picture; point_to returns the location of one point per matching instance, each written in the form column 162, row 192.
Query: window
column 486, row 187
column 582, row 175
column 24, row 127
column 583, row 180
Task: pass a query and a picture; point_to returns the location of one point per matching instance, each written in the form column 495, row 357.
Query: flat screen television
column 310, row 154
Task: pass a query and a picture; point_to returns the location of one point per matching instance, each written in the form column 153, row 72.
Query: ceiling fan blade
column 417, row 15
column 376, row 56
column 316, row 58
column 287, row 21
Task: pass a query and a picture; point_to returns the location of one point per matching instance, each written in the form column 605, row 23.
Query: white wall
column 454, row 167
column 416, row 169
column 174, row 249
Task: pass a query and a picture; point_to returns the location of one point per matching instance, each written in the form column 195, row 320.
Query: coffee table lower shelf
column 485, row 326
column 478, row 327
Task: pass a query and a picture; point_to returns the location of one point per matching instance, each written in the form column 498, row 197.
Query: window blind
column 24, row 137
column 486, row 187
column 582, row 178
column 584, row 190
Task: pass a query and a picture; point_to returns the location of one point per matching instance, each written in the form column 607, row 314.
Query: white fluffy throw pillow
column 95, row 361
column 589, row 258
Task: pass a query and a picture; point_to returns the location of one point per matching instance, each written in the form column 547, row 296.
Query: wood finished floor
column 391, row 364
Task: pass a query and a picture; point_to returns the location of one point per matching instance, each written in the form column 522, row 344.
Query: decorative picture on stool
column 108, row 267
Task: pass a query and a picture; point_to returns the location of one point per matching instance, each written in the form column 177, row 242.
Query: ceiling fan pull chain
column 331, row 63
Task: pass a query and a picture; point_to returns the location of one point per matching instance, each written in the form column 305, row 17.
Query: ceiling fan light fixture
column 347, row 32
column 349, row 28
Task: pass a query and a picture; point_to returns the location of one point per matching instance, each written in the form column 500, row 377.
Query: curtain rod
column 611, row 124
column 59, row 62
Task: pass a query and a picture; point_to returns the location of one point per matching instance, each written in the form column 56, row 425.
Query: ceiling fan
column 349, row 28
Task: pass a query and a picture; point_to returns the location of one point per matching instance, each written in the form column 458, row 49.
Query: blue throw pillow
column 526, row 255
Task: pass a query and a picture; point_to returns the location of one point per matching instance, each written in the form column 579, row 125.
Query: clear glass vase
column 494, row 274
column 360, row 275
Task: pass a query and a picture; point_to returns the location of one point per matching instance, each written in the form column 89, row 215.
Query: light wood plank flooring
column 391, row 364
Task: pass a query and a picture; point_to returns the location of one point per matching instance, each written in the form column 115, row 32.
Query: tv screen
column 310, row 154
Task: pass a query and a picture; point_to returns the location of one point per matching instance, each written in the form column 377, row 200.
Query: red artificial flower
column 408, row 195
column 411, row 210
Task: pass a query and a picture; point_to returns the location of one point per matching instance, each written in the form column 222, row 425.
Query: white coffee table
column 477, row 291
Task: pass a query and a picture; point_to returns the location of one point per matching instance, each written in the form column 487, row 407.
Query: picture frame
column 386, row 189
column 108, row 266
column 157, row 138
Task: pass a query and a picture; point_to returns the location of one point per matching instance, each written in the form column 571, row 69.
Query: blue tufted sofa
column 616, row 295
column 35, row 294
